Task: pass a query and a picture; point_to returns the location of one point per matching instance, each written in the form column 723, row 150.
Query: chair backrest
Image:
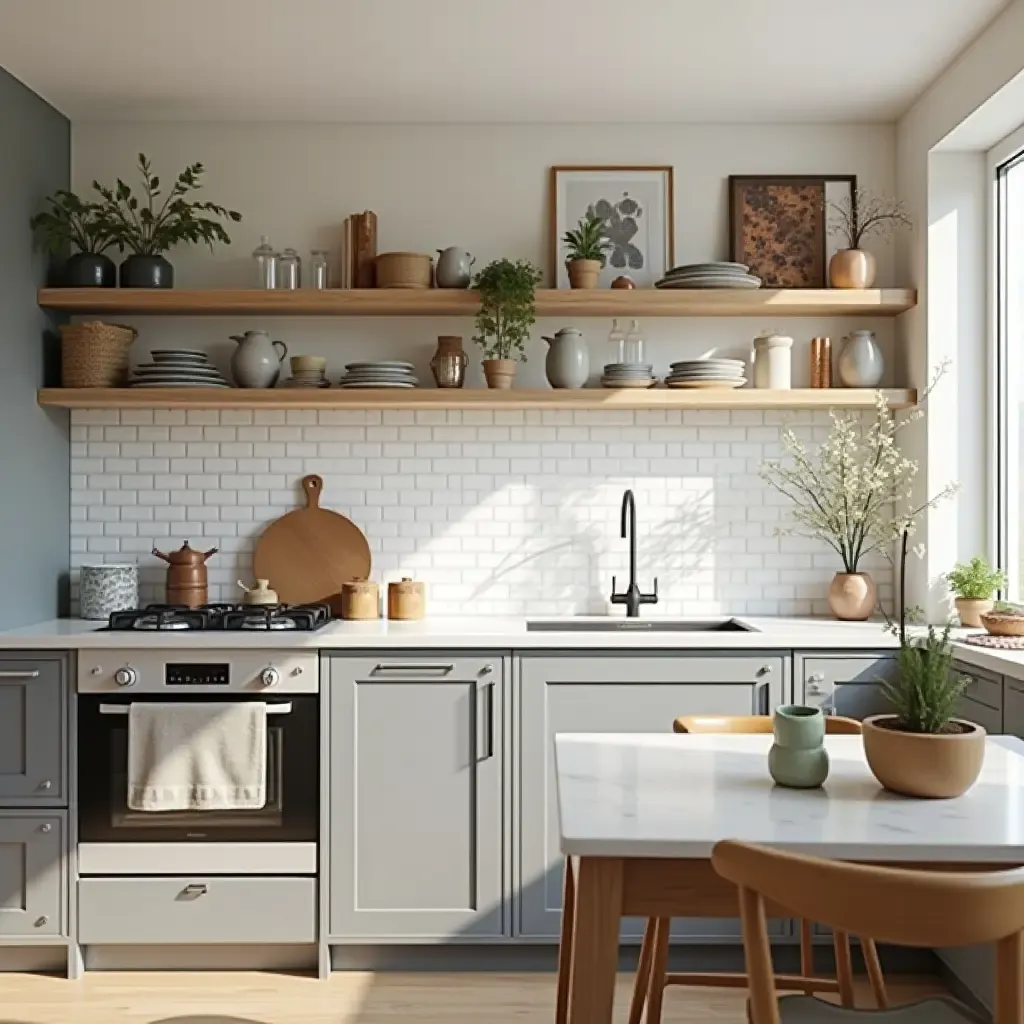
column 835, row 725
column 902, row 906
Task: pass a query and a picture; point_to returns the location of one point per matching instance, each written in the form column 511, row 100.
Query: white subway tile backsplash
column 507, row 512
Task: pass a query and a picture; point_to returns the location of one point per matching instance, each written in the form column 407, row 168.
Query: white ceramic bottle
column 773, row 362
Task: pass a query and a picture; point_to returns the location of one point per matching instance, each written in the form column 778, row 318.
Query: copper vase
column 852, row 268
column 449, row 362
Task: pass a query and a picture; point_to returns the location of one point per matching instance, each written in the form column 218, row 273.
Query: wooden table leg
column 565, row 943
column 595, row 942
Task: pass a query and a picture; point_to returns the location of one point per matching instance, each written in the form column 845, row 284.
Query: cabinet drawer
column 628, row 667
column 196, row 910
column 411, row 666
column 990, row 719
column 983, row 687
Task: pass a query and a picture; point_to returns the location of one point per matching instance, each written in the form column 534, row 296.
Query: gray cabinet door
column 417, row 823
column 33, row 724
column 982, row 701
column 1013, row 707
column 845, row 684
column 33, row 875
column 628, row 692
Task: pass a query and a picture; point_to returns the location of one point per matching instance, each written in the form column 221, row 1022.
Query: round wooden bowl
column 403, row 270
column 1003, row 624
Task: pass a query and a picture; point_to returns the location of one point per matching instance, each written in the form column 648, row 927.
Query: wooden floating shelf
column 763, row 302
column 468, row 398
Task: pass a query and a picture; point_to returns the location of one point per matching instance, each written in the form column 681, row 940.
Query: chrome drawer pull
column 11, row 674
column 194, row 890
column 123, row 709
column 440, row 669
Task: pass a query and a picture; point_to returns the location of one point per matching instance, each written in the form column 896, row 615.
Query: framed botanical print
column 778, row 225
column 636, row 207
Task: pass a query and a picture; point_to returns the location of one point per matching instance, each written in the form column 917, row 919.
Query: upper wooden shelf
column 450, row 302
column 468, row 398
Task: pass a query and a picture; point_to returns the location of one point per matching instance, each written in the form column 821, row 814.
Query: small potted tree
column 586, row 250
column 922, row 749
column 974, row 583
column 147, row 228
column 70, row 222
column 506, row 315
column 854, row 218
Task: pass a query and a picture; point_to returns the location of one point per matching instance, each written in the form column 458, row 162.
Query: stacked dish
column 628, row 375
column 307, row 372
column 380, row 374
column 709, row 275
column 707, row 373
column 178, row 368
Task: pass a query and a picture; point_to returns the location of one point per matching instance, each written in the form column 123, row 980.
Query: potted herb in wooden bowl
column 1005, row 619
column 922, row 749
column 974, row 583
column 148, row 228
column 506, row 314
column 70, row 222
column 586, row 252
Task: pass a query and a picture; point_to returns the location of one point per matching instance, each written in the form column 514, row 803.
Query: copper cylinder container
column 186, row 576
column 821, row 362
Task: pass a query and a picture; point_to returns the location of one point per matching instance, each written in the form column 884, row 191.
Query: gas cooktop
column 229, row 618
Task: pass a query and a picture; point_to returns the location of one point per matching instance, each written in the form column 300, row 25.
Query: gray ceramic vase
column 798, row 758
column 568, row 361
column 860, row 363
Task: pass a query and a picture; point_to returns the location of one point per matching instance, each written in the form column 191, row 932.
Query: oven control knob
column 270, row 677
column 126, row 677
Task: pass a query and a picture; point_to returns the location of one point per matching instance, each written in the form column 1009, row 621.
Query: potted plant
column 586, row 249
column 1005, row 619
column 147, row 229
column 922, row 749
column 974, row 583
column 505, row 317
column 855, row 217
column 76, row 223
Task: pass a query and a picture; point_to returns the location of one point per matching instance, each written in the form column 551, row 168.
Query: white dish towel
column 205, row 756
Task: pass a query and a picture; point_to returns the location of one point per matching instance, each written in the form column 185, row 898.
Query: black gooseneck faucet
column 632, row 598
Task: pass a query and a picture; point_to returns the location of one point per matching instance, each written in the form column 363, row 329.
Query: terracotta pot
column 583, row 273
column 852, row 596
column 500, row 373
column 937, row 766
column 852, row 268
column 971, row 609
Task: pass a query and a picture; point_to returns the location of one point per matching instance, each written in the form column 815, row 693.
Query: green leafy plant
column 588, row 241
column 507, row 310
column 147, row 227
column 74, row 221
column 1008, row 608
column 975, row 580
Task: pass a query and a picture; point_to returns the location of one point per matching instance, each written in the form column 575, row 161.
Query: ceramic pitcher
column 256, row 363
column 568, row 361
column 454, row 267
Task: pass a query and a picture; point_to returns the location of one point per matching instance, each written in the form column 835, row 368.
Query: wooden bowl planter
column 1003, row 623
column 930, row 765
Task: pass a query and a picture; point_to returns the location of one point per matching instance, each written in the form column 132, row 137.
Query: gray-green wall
column 35, row 159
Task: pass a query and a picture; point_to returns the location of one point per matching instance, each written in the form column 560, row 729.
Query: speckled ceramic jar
column 104, row 589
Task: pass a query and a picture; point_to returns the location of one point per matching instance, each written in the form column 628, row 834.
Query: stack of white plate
column 178, row 368
column 380, row 374
column 707, row 373
column 709, row 275
column 628, row 375
column 306, row 379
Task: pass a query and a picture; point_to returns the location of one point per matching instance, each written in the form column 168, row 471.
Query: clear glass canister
column 318, row 269
column 616, row 344
column 634, row 344
column 266, row 258
column 289, row 269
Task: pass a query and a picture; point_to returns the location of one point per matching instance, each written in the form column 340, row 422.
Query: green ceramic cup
column 798, row 758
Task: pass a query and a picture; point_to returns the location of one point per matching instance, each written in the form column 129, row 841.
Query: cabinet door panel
column 32, row 875
column 1013, row 708
column 845, row 685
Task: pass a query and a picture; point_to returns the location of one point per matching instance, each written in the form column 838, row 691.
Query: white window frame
column 1004, row 365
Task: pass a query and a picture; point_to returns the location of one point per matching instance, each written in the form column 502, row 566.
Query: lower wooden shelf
column 470, row 398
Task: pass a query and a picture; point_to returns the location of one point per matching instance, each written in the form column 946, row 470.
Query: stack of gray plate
column 709, row 275
column 379, row 374
column 628, row 375
column 707, row 373
column 178, row 368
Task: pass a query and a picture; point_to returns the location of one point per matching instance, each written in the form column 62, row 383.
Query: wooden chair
column 652, row 977
column 897, row 905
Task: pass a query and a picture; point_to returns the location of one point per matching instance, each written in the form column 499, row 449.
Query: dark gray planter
column 146, row 272
column 90, row 270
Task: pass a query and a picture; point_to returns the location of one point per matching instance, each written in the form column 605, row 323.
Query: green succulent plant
column 588, row 241
column 975, row 580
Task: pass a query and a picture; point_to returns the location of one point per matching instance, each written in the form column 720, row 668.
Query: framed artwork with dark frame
column 636, row 205
column 778, row 225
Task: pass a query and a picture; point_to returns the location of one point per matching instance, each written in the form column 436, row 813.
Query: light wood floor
column 348, row 998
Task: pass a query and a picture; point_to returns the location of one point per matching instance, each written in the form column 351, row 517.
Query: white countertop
column 481, row 633
column 658, row 795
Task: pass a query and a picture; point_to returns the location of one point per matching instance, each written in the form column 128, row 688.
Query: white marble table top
column 666, row 795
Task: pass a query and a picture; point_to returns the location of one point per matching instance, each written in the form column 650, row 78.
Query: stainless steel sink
column 729, row 625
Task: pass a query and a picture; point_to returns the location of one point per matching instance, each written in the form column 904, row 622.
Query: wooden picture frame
column 574, row 188
column 779, row 226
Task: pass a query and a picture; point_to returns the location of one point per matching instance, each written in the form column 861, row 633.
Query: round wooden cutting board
column 308, row 554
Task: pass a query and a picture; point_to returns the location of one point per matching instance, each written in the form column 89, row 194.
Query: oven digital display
column 197, row 675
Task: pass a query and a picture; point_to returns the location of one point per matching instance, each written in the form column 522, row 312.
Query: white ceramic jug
column 255, row 363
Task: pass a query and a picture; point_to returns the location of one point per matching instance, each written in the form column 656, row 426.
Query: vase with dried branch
column 854, row 218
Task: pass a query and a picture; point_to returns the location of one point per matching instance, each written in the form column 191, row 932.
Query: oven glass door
column 291, row 812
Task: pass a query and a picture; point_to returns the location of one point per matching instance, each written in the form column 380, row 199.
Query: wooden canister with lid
column 407, row 599
column 360, row 600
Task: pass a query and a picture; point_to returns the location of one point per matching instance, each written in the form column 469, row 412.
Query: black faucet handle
column 651, row 598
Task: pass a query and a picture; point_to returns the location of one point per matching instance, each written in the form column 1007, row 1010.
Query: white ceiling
column 485, row 60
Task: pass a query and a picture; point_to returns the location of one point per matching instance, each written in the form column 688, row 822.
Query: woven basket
column 95, row 354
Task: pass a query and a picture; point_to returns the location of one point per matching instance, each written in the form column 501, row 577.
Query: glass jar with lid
column 289, row 270
column 634, row 344
column 266, row 257
column 318, row 269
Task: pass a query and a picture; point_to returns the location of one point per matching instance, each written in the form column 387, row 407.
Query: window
column 1009, row 378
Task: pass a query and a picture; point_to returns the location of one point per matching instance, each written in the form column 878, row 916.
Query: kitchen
column 490, row 564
